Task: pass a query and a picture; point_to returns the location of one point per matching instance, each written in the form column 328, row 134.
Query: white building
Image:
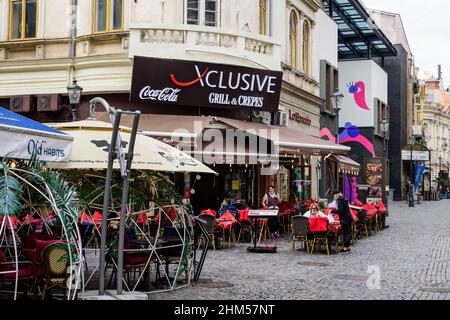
column 435, row 116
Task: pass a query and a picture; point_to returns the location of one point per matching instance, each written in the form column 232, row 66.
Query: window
column 263, row 17
column 108, row 15
column 23, row 19
column 328, row 88
column 293, row 39
column 306, row 42
column 382, row 113
column 329, row 83
column 202, row 12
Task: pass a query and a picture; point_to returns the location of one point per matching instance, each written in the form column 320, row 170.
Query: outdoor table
column 261, row 214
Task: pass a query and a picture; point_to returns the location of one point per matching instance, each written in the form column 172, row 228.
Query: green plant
column 11, row 193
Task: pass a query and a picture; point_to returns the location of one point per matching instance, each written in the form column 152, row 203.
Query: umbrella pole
column 111, row 156
column 123, row 211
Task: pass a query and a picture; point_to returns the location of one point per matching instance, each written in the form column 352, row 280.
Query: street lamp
column 385, row 130
column 74, row 91
column 337, row 99
column 440, row 168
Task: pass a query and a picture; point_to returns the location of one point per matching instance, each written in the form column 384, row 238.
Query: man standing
column 271, row 201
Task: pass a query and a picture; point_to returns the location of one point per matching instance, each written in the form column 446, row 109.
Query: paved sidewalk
column 412, row 257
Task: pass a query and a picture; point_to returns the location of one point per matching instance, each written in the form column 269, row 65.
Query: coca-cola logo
column 166, row 95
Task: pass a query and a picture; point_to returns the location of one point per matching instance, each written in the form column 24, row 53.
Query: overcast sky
column 427, row 26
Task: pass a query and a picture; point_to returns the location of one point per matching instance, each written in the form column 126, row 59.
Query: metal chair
column 55, row 260
column 300, row 229
column 245, row 228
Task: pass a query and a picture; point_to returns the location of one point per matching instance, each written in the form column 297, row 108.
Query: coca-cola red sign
column 189, row 83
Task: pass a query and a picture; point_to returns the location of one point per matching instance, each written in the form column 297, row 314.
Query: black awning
column 359, row 36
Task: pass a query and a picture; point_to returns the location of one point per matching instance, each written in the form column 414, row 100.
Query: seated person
column 239, row 204
column 315, row 212
column 227, row 206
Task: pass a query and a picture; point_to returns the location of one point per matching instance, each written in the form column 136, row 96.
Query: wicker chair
column 322, row 238
column 245, row 229
column 211, row 227
column 55, row 260
column 362, row 223
column 300, row 229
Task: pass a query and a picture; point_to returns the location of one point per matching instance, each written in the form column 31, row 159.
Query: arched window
column 263, row 10
column 306, row 46
column 293, row 40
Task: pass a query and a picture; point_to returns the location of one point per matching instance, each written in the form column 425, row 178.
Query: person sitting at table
column 227, row 206
column 314, row 212
column 239, row 204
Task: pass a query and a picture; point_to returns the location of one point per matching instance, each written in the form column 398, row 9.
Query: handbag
column 318, row 224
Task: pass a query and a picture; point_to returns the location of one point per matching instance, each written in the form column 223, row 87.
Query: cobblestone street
column 412, row 256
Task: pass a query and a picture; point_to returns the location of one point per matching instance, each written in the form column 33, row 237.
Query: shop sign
column 416, row 155
column 189, row 83
column 297, row 117
column 235, row 185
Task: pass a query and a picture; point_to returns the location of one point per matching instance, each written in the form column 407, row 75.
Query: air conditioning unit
column 22, row 104
column 50, row 102
column 280, row 119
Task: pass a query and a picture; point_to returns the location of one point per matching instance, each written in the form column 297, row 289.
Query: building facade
column 46, row 44
column 403, row 87
column 435, row 119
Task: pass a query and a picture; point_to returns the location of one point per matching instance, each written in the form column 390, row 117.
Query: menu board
column 375, row 176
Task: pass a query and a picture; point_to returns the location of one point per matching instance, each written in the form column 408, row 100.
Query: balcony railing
column 177, row 41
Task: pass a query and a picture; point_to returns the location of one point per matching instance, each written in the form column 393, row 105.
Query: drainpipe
column 73, row 30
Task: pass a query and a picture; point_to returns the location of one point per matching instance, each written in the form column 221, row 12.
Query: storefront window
column 302, row 178
column 108, row 15
column 23, row 19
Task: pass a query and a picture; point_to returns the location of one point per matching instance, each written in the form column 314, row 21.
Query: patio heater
column 125, row 159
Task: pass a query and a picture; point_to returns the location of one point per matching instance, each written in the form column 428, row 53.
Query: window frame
column 264, row 17
column 22, row 38
column 293, row 39
column 329, row 84
column 382, row 111
column 108, row 17
column 306, row 47
column 202, row 14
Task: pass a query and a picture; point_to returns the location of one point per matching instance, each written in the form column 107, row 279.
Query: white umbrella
column 21, row 136
column 91, row 144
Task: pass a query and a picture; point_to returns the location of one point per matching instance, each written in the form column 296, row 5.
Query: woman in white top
column 315, row 212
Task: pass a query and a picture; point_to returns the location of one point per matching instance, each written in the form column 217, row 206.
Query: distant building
column 435, row 116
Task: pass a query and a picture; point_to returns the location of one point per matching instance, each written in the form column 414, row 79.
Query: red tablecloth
column 226, row 221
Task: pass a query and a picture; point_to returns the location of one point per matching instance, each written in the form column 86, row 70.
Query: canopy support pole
column 115, row 152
